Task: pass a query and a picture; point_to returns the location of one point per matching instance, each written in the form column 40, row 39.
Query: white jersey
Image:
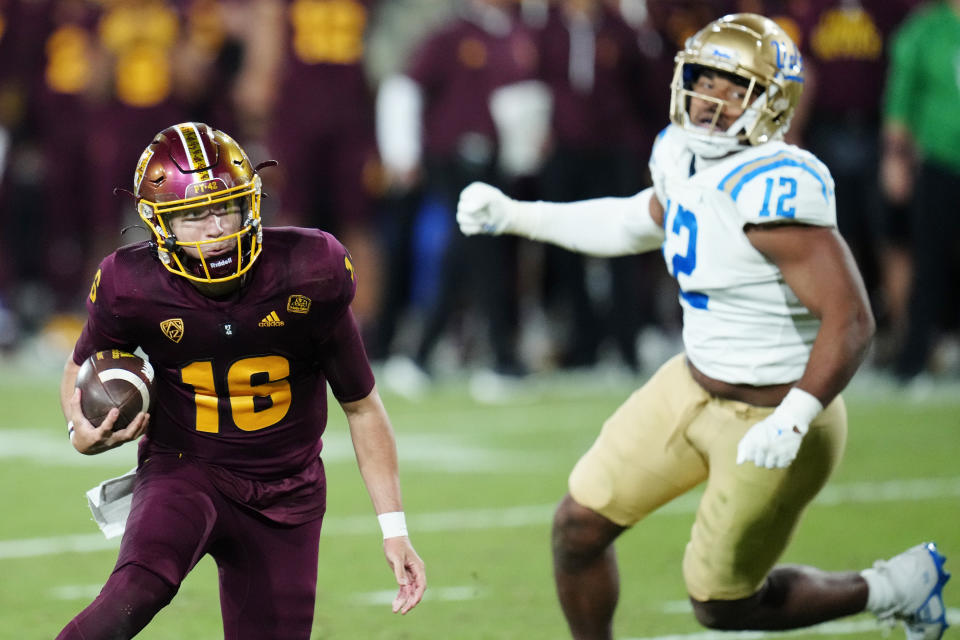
column 741, row 322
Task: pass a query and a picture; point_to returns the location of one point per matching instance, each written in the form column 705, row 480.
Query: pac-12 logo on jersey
column 173, row 328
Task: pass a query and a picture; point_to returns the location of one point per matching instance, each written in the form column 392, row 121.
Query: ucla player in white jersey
column 775, row 323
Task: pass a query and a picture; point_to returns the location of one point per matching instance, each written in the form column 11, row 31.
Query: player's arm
column 817, row 265
column 376, row 450
column 604, row 227
column 86, row 438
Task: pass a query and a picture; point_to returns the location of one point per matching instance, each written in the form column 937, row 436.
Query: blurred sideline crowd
column 380, row 112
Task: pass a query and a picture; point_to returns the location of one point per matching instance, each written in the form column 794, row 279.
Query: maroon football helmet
column 186, row 170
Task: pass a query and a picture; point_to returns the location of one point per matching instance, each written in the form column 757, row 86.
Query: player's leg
column 585, row 569
column 640, row 461
column 907, row 588
column 170, row 522
column 933, row 236
column 129, row 600
column 268, row 576
column 745, row 521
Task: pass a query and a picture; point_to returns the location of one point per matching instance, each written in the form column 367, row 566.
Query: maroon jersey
column 458, row 67
column 240, row 383
column 325, row 102
column 847, row 43
column 323, row 74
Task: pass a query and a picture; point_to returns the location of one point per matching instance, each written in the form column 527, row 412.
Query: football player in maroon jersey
column 244, row 327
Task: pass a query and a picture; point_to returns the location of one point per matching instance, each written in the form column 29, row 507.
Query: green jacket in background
column 923, row 85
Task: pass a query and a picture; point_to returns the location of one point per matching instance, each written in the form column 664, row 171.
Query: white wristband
column 393, row 524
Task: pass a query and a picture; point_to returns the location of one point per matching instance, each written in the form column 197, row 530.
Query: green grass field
column 480, row 482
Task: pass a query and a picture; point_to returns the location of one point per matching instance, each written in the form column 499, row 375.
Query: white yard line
column 449, row 594
column 76, row 591
column 831, row 629
column 377, row 598
column 446, row 453
column 512, row 517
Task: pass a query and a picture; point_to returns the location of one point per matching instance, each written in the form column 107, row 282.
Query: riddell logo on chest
column 271, row 320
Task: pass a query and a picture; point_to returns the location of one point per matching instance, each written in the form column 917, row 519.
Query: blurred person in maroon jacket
column 302, row 90
column 435, row 125
column 117, row 69
column 664, row 29
column 20, row 180
column 592, row 63
column 152, row 59
column 845, row 47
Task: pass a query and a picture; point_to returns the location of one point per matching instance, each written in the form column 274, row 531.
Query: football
column 114, row 378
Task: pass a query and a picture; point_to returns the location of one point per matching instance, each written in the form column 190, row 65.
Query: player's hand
column 90, row 440
column 774, row 441
column 409, row 571
column 483, row 209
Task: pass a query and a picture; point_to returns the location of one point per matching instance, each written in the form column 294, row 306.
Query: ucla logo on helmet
column 789, row 59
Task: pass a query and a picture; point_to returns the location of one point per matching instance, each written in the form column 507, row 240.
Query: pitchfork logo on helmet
column 192, row 169
column 760, row 55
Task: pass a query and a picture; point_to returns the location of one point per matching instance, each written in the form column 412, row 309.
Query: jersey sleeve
column 785, row 187
column 344, row 361
column 103, row 328
column 343, row 358
column 346, row 275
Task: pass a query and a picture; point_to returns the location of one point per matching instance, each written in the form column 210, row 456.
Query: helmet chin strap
column 709, row 145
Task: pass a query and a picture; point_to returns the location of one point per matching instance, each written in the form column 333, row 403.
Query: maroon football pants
column 268, row 571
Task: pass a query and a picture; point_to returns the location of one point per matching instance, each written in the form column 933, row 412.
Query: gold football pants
column 668, row 437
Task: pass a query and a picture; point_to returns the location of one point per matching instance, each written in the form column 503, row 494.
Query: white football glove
column 484, row 209
column 774, row 441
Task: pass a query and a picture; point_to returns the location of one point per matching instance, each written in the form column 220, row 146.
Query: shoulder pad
column 669, row 156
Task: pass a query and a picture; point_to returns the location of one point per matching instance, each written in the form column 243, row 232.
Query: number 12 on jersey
column 789, row 193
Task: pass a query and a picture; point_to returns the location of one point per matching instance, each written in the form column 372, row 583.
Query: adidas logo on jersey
column 271, row 320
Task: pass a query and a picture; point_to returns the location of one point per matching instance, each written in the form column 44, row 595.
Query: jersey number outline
column 687, row 262
column 257, row 387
